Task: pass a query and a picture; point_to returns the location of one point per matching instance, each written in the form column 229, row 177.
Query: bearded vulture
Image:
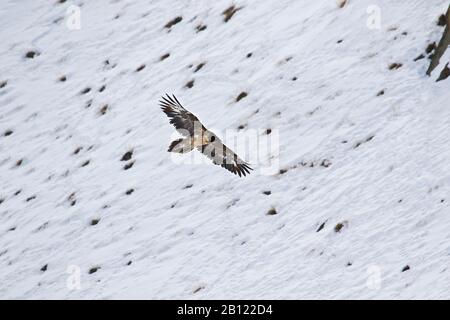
column 197, row 136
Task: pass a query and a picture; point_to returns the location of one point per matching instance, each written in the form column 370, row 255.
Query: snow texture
column 359, row 209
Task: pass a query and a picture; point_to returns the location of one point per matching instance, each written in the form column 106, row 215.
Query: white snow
column 388, row 179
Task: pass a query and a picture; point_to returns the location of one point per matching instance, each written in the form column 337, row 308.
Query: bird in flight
column 197, row 136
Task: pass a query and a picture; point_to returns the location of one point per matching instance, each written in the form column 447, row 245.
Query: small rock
column 200, row 28
column 103, row 109
column 85, row 90
column 31, row 54
column 93, row 270
column 395, row 66
column 190, row 84
column 77, row 150
column 338, row 227
column 198, row 289
column 140, row 68
column 228, row 13
column 321, row 227
column 128, row 165
column 341, row 3
column 173, row 22
column 325, row 163
column 164, row 56
column 241, row 96
column 199, row 66
column 127, row 156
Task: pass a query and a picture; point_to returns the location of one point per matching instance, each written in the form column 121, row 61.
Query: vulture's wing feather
column 221, row 155
column 184, row 121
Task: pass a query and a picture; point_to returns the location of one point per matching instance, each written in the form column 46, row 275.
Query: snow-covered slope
column 363, row 192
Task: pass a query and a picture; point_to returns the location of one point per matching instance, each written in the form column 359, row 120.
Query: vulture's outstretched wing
column 184, row 121
column 221, row 155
